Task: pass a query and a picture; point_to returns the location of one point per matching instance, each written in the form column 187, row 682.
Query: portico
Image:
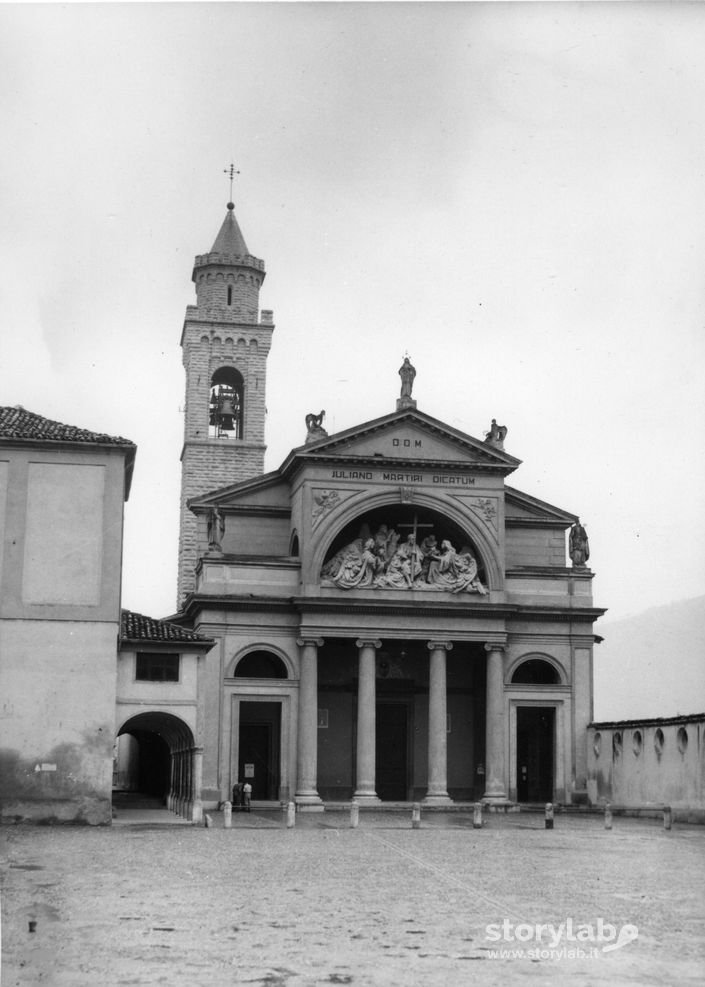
column 377, row 691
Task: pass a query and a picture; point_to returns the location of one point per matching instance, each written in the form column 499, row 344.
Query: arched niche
column 260, row 665
column 535, row 670
column 425, row 517
column 260, row 661
column 226, row 407
column 294, row 549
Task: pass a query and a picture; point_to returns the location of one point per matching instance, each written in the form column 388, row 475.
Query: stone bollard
column 207, row 820
column 608, row 816
column 477, row 816
column 228, row 815
column 290, row 815
column 354, row 814
column 548, row 823
column 416, row 816
column 667, row 817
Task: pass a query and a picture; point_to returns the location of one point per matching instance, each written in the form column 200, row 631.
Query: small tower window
column 230, row 294
column 226, row 405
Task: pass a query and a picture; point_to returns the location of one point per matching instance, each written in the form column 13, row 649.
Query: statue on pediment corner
column 314, row 427
column 496, row 435
column 578, row 546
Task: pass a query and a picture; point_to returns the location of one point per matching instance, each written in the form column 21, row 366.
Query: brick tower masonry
column 225, row 346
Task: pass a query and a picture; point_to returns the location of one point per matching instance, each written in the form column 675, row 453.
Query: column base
column 496, row 798
column 367, row 798
column 309, row 803
column 438, row 799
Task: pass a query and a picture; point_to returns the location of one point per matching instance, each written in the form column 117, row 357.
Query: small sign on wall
column 249, row 770
column 322, row 719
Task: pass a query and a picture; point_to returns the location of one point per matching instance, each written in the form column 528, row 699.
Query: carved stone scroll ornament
column 323, row 501
column 380, row 563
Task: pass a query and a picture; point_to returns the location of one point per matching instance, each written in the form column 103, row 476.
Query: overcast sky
column 514, row 193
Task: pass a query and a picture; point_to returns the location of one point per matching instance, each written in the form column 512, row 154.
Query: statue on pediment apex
column 407, row 373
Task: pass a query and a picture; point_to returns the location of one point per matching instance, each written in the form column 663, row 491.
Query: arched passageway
column 157, row 757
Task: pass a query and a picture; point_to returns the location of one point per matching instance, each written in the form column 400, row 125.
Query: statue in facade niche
column 407, row 374
column 578, row 545
column 379, row 562
column 216, row 530
column 314, row 427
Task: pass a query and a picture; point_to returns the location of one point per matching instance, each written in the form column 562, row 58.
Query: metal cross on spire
column 231, row 172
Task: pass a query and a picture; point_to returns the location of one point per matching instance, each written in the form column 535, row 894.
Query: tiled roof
column 17, row 423
column 137, row 627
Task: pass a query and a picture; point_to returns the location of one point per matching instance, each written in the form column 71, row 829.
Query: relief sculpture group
column 381, row 562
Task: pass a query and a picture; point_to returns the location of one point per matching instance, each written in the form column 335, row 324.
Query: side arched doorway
column 260, row 689
column 157, row 758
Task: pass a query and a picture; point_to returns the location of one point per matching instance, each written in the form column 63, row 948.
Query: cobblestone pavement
column 381, row 904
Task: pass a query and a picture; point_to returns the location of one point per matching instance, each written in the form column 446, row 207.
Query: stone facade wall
column 535, row 546
column 59, row 623
column 637, row 763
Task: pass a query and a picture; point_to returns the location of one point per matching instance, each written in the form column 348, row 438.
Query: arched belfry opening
column 404, row 546
column 227, row 404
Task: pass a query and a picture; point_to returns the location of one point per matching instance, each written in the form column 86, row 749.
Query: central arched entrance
column 157, row 762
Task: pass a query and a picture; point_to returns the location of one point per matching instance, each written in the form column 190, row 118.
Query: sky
column 512, row 193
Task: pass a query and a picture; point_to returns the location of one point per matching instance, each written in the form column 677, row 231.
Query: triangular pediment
column 407, row 436
column 521, row 506
column 268, row 491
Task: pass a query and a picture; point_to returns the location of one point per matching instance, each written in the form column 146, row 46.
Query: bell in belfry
column 224, row 410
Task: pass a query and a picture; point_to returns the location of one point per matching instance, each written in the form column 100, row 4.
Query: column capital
column 368, row 642
column 317, row 642
column 440, row 645
column 492, row 646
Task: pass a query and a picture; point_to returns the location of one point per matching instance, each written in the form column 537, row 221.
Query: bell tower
column 225, row 344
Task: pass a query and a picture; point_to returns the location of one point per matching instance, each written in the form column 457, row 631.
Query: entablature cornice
column 536, row 522
column 352, row 464
column 244, row 510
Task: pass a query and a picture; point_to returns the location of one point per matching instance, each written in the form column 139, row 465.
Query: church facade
column 392, row 620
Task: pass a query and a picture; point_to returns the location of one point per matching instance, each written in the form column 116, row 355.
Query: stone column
column 197, row 775
column 437, row 793
column 307, row 796
column 495, row 781
column 188, row 792
column 366, row 718
column 178, row 800
column 172, row 776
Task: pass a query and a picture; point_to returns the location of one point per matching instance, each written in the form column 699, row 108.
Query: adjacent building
column 62, row 491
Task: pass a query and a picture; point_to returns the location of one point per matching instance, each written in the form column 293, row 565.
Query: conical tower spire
column 230, row 240
column 229, row 277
